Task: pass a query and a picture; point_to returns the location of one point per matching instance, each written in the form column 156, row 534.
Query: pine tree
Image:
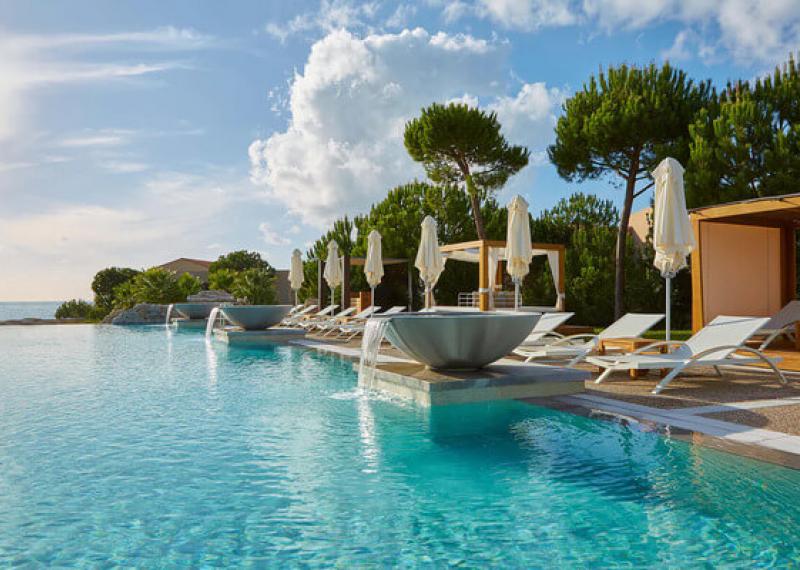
column 621, row 124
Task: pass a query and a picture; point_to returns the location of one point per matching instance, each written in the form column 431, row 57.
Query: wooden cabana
column 744, row 262
column 488, row 254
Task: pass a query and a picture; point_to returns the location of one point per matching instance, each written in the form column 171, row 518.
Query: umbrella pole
column 372, row 300
column 295, row 298
column 516, row 294
column 668, row 306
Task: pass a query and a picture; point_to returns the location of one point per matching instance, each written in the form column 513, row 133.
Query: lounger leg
column 718, row 371
column 606, row 373
column 577, row 359
column 667, row 379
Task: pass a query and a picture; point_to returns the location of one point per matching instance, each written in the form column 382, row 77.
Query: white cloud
column 343, row 147
column 28, row 62
column 528, row 14
column 272, row 236
column 751, row 31
column 329, row 16
column 124, row 166
column 402, row 16
column 95, row 140
column 172, row 214
column 530, row 117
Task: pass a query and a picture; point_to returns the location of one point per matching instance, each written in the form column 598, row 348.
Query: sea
column 28, row 309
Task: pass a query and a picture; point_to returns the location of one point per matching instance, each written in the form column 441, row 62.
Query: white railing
column 502, row 299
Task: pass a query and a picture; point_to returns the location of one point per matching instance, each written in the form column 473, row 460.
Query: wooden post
column 320, row 285
column 483, row 277
column 410, row 288
column 698, row 313
column 788, row 264
column 346, row 283
column 562, row 278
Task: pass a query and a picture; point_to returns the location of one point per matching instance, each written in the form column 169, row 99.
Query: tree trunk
column 622, row 241
column 475, row 204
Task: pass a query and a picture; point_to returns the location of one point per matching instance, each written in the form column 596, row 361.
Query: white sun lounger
column 316, row 321
column 333, row 324
column 716, row 344
column 298, row 314
column 545, row 330
column 350, row 331
column 575, row 347
column 300, row 318
column 781, row 324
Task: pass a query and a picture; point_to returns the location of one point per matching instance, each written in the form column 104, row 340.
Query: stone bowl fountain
column 458, row 341
column 195, row 310
column 255, row 317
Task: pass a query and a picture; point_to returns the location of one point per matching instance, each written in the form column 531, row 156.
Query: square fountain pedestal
column 190, row 324
column 505, row 380
column 235, row 336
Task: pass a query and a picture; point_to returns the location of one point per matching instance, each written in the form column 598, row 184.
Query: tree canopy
column 621, row 124
column 241, row 260
column 462, row 145
column 104, row 283
column 747, row 144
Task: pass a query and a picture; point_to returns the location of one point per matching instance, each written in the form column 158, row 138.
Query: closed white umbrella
column 333, row 268
column 673, row 238
column 429, row 261
column 373, row 266
column 296, row 273
column 519, row 251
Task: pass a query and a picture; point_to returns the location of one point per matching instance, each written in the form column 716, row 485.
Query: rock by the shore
column 141, row 314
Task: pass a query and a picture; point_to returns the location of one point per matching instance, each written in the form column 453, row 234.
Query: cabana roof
column 471, row 250
column 768, row 211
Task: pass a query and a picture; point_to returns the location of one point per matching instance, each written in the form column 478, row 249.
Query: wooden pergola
column 479, row 250
column 744, row 262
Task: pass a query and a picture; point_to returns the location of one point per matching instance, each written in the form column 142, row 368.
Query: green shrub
column 75, row 309
column 189, row 285
column 104, row 284
column 256, row 287
column 157, row 285
column 222, row 280
column 124, row 296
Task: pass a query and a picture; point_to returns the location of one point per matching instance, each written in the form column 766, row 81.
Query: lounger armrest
column 573, row 337
column 667, row 343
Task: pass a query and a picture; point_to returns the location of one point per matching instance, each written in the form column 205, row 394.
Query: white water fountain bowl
column 459, row 341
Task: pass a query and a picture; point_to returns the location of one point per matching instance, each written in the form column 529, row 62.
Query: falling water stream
column 212, row 319
column 374, row 332
column 169, row 313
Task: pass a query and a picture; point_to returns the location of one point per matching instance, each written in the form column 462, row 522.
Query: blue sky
column 135, row 132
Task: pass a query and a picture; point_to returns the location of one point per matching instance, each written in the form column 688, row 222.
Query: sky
column 135, row 132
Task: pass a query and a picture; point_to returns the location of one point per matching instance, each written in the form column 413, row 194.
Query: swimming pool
column 136, row 447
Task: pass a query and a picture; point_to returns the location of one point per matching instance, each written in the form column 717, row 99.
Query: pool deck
column 745, row 412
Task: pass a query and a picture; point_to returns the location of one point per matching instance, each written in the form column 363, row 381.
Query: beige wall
column 741, row 270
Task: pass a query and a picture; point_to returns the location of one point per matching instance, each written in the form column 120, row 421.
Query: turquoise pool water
column 136, row 448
